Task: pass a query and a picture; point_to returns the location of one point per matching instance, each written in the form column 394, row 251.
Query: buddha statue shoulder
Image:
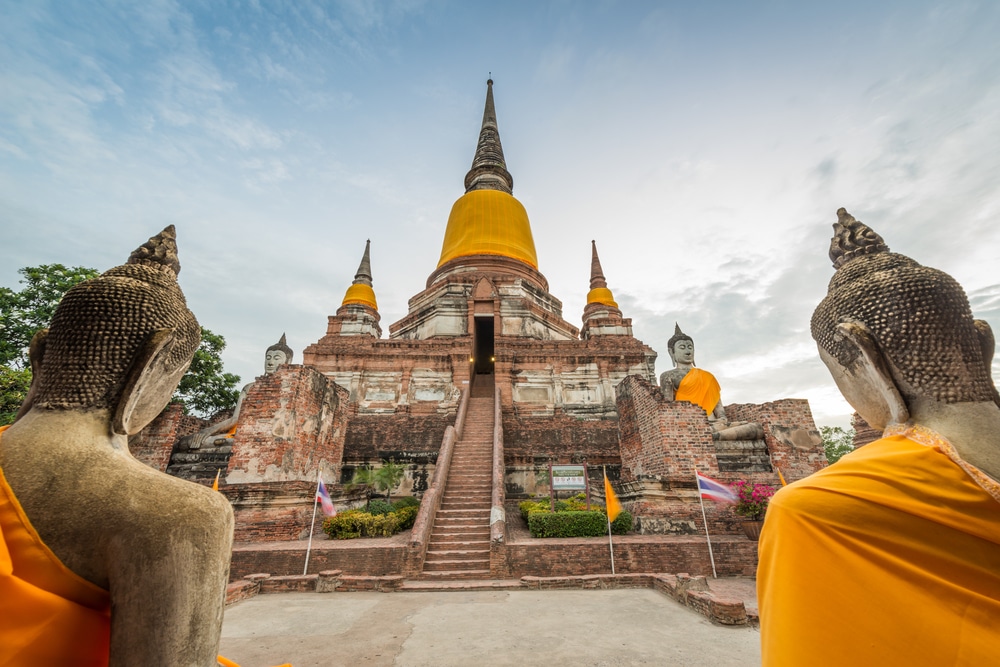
column 221, row 432
column 686, row 382
column 105, row 531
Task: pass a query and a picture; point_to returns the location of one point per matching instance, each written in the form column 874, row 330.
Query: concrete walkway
column 606, row 628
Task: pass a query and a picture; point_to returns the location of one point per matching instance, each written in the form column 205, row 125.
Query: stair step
column 457, row 554
column 452, row 565
column 456, row 574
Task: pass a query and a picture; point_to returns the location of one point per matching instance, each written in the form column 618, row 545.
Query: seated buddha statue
column 911, row 521
column 104, row 560
column 685, row 382
column 219, row 433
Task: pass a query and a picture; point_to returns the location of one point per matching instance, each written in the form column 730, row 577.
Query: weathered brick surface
column 293, row 583
column 793, row 440
column 243, row 589
column 863, row 431
column 560, row 438
column 154, row 444
column 734, row 556
column 365, row 557
column 292, row 423
column 662, row 439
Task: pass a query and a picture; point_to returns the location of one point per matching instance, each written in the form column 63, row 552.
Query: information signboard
column 569, row 478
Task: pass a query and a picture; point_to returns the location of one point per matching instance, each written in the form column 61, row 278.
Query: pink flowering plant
column 752, row 499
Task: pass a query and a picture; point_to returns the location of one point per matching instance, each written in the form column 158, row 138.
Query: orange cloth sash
column 889, row 557
column 701, row 388
column 48, row 614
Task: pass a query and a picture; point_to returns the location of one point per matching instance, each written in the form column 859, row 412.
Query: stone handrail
column 498, row 520
column 431, row 501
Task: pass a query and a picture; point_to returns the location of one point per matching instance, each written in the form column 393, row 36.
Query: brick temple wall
column 293, row 423
column 793, row 440
column 661, row 438
column 154, row 444
column 863, row 432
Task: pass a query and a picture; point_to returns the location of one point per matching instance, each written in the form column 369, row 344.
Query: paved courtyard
column 481, row 628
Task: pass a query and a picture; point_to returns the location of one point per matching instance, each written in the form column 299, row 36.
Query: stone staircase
column 459, row 546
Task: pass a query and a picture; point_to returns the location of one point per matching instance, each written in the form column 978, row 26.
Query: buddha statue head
column 681, row 347
column 893, row 332
column 119, row 342
column 278, row 354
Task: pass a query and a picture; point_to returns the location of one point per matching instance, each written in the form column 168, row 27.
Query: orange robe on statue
column 889, row 557
column 701, row 388
column 48, row 614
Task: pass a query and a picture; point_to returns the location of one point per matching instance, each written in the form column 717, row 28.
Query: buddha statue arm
column 207, row 436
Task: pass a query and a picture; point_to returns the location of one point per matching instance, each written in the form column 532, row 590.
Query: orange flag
column 215, row 484
column 611, row 500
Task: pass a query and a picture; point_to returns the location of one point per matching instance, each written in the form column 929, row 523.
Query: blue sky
column 705, row 146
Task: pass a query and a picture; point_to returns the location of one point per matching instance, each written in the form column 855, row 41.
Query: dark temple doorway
column 484, row 346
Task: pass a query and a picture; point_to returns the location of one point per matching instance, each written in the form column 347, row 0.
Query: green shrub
column 344, row 525
column 378, row 507
column 529, row 506
column 567, row 524
column 577, row 523
column 407, row 515
column 406, row 501
column 355, row 523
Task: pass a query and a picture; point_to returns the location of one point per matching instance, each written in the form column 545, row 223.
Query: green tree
column 386, row 478
column 389, row 476
column 24, row 312
column 14, row 385
column 836, row 442
column 206, row 388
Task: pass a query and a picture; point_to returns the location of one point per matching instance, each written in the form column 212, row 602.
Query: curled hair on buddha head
column 101, row 325
column 281, row 346
column 678, row 335
column 919, row 317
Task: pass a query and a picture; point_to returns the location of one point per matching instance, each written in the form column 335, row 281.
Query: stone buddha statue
column 685, row 382
column 914, row 516
column 221, row 432
column 113, row 562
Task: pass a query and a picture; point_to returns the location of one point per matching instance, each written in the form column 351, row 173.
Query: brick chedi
column 485, row 319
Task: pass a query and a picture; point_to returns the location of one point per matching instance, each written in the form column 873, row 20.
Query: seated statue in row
column 104, row 560
column 684, row 382
column 276, row 356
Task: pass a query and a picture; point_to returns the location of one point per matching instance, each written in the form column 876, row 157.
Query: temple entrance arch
column 483, row 345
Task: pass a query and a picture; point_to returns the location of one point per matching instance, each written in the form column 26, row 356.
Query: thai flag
column 714, row 490
column 324, row 498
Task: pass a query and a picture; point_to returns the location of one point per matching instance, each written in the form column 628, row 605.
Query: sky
column 705, row 146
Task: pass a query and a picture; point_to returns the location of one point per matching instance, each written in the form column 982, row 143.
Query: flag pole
column 305, row 569
column 611, row 545
column 701, row 500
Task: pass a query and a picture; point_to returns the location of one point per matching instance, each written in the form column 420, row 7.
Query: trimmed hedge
column 576, row 524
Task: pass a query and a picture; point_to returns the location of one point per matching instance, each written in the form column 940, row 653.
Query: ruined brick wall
column 793, row 440
column 734, row 556
column 154, row 444
column 660, row 438
column 281, row 511
column 353, row 557
column 561, row 438
column 293, row 422
column 863, row 432
column 402, row 436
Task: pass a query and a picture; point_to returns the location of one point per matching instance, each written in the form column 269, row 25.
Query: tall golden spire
column 489, row 170
column 599, row 292
column 487, row 220
column 360, row 291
